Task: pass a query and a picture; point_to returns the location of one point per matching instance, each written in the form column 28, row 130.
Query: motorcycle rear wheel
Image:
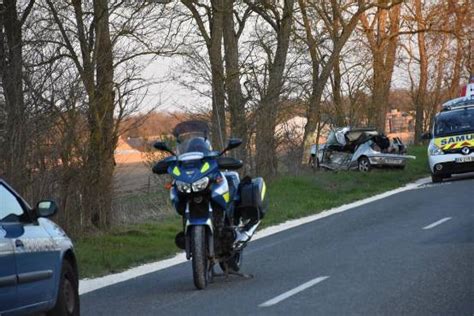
column 200, row 259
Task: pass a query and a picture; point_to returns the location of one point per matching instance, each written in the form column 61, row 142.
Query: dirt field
column 132, row 175
column 133, row 178
column 139, row 195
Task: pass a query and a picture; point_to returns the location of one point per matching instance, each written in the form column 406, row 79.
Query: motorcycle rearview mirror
column 163, row 147
column 233, row 143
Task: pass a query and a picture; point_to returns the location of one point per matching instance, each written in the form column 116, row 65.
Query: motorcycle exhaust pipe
column 248, row 234
column 252, row 229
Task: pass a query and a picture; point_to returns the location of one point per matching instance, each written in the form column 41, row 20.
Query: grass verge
column 290, row 197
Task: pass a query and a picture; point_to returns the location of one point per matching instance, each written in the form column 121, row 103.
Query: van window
column 454, row 122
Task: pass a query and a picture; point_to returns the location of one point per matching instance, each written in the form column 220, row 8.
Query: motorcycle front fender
column 199, row 222
column 210, row 235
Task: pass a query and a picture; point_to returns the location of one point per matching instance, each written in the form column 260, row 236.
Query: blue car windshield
column 454, row 122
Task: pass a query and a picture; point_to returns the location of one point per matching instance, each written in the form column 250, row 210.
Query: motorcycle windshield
column 192, row 136
column 194, row 144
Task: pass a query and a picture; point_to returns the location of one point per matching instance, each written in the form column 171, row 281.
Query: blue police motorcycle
column 220, row 212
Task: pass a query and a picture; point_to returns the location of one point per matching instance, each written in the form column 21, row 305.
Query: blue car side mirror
column 46, row 208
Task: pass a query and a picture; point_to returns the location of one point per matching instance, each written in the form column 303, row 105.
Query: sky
column 173, row 97
column 169, row 94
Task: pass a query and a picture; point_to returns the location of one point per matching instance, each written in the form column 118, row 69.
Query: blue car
column 38, row 269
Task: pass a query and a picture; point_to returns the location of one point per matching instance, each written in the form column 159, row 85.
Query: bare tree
column 461, row 10
column 209, row 20
column 280, row 19
column 382, row 31
column 420, row 99
column 433, row 76
column 339, row 21
column 94, row 64
column 235, row 97
column 219, row 23
column 15, row 144
column 103, row 40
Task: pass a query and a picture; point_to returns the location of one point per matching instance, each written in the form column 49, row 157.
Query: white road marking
column 441, row 221
column 89, row 285
column 292, row 292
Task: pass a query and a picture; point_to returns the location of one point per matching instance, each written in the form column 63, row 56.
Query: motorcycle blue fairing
column 192, row 167
column 191, row 170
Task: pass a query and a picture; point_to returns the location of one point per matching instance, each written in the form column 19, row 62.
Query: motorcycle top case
column 253, row 203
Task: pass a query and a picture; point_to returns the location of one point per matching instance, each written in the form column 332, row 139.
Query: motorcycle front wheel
column 199, row 256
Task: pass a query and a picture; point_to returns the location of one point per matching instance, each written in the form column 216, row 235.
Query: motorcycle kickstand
column 227, row 273
column 240, row 274
column 212, row 274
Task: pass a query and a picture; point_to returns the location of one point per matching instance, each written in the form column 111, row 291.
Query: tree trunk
column 238, row 123
column 11, row 68
column 98, row 190
column 313, row 111
column 458, row 29
column 337, row 98
column 266, row 160
column 420, row 99
column 456, row 77
column 383, row 42
column 382, row 77
column 213, row 40
column 440, row 69
column 313, row 114
column 218, row 128
column 319, row 79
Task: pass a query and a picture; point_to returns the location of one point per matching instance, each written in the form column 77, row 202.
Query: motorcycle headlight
column 183, row 187
column 200, row 184
column 434, row 150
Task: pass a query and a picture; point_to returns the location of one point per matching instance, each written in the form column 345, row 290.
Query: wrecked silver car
column 359, row 148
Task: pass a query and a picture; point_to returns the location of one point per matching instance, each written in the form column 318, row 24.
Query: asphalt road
column 409, row 254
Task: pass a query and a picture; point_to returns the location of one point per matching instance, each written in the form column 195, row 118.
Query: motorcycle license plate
column 465, row 159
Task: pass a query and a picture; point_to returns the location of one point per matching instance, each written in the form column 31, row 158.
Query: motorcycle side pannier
column 253, row 203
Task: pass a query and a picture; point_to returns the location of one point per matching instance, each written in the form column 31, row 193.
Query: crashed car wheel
column 364, row 164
